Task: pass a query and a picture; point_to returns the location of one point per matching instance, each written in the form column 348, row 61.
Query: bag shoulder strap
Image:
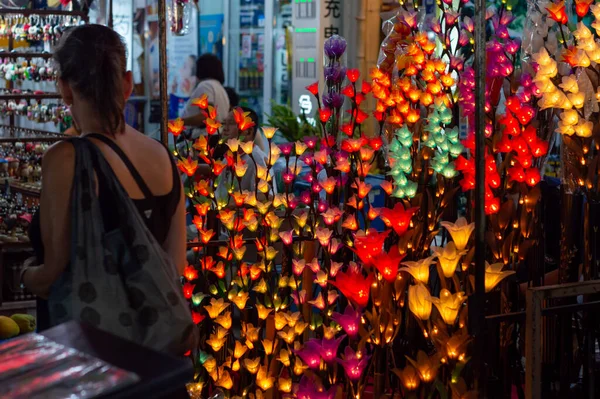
column 175, row 174
column 134, row 172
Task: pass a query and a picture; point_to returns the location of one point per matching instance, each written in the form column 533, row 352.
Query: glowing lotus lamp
column 263, row 312
column 240, row 350
column 224, row 320
column 569, row 117
column 252, row 365
column 449, row 305
column 569, row 83
column 582, row 7
column 419, row 301
column 419, row 270
column 284, row 358
column 288, row 336
column 354, row 365
column 460, row 231
column 494, row 275
column 224, row 380
column 263, row 380
column 284, row 384
column 426, row 366
column 584, row 129
column 558, row 12
column 448, row 257
column 409, row 377
column 215, row 342
column 299, row 367
column 349, row 321
column 310, row 355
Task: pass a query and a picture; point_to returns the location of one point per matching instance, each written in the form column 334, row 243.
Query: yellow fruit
column 8, row 328
column 25, row 322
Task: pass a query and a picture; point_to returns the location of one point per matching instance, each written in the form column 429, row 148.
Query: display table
column 162, row 376
column 13, row 299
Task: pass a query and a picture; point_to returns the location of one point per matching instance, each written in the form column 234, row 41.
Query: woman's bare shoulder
column 63, row 151
column 138, row 138
column 146, row 151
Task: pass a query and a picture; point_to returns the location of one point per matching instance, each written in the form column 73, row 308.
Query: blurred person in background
column 211, row 77
column 259, row 150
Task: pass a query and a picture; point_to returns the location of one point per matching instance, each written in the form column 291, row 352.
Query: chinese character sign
column 331, row 18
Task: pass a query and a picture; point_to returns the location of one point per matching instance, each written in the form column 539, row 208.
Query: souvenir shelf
column 22, row 134
column 26, row 96
column 44, row 26
column 21, row 147
column 15, row 54
column 25, row 12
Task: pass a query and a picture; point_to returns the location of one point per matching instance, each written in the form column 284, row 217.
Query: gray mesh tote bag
column 120, row 281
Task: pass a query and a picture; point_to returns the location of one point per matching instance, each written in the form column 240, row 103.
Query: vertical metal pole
column 164, row 95
column 269, row 65
column 230, row 71
column 110, row 14
column 477, row 317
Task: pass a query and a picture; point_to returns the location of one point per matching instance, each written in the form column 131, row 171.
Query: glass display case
column 282, row 36
column 245, row 54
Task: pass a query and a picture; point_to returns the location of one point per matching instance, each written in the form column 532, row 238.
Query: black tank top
column 157, row 211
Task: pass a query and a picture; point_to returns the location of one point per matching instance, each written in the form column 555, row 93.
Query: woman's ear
column 127, row 84
column 65, row 91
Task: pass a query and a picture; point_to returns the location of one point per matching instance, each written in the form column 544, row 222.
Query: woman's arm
column 197, row 120
column 175, row 245
column 55, row 208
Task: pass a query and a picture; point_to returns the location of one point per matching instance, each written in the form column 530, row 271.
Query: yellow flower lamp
column 449, row 256
column 494, row 275
column 460, row 231
column 419, row 270
column 419, row 301
column 449, row 305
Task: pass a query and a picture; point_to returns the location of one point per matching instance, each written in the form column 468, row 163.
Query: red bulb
column 348, row 91
column 539, row 148
column 376, row 143
column 366, row 87
column 532, row 177
column 524, row 160
column 520, row 146
column 348, row 128
column 325, row 115
column 494, row 180
column 492, row 206
column 359, row 115
column 360, row 97
column 504, row 145
column 353, row 75
column 516, row 173
column 313, row 89
column 513, row 104
column 525, row 115
column 468, row 182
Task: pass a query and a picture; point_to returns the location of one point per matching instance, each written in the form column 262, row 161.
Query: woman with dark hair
column 94, row 82
column 211, row 77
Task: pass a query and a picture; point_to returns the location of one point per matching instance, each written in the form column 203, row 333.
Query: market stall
column 432, row 282
column 417, row 260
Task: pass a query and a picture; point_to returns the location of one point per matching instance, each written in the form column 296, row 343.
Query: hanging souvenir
column 179, row 16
